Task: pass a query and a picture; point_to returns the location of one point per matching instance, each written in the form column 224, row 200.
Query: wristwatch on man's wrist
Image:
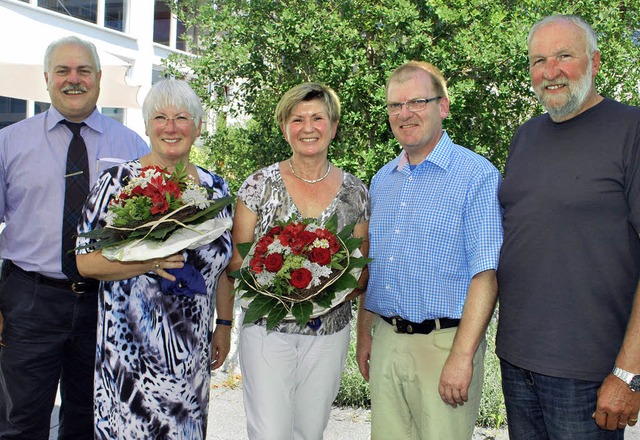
column 631, row 379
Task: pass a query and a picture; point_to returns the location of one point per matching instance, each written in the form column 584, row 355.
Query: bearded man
column 569, row 327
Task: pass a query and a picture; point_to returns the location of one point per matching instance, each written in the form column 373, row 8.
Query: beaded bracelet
column 224, row 322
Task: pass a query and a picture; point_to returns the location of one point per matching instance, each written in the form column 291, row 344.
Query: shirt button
column 397, row 231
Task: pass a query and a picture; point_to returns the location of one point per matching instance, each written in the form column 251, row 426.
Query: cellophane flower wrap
column 298, row 270
column 157, row 214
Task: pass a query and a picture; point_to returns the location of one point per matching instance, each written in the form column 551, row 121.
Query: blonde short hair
column 403, row 73
column 307, row 92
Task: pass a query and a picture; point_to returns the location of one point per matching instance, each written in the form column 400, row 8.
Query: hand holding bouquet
column 158, row 214
column 298, row 270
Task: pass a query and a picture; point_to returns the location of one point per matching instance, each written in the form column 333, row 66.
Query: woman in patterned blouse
column 291, row 375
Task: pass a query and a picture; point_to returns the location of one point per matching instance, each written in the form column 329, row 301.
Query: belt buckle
column 400, row 326
column 79, row 287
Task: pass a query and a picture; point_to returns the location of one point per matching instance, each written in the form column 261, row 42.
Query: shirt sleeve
column 3, row 185
column 483, row 222
column 252, row 190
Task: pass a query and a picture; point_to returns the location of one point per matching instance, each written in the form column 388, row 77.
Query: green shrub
column 492, row 410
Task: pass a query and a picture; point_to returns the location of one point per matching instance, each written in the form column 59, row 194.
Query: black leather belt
column 424, row 328
column 84, row 286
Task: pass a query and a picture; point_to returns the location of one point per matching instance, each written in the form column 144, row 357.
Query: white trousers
column 290, row 381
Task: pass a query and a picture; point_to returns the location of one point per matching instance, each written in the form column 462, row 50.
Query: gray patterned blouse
column 264, row 193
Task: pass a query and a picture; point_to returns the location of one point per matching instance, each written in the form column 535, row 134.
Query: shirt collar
column 440, row 156
column 94, row 121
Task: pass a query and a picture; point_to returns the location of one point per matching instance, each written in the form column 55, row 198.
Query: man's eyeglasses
column 180, row 121
column 415, row 105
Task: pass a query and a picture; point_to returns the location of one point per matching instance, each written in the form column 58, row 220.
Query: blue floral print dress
column 153, row 357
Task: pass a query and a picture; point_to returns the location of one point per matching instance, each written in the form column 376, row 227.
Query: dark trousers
column 49, row 337
column 542, row 407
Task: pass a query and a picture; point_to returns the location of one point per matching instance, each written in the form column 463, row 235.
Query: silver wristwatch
column 633, row 380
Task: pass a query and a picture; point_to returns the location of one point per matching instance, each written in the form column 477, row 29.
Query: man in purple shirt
column 49, row 333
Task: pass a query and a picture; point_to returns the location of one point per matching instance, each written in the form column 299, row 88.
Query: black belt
column 425, row 327
column 84, row 286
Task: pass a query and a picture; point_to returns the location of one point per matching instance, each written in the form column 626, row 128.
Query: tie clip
column 77, row 173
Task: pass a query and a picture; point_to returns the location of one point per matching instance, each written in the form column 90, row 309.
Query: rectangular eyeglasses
column 415, row 105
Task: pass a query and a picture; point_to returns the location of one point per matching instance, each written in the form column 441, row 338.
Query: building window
column 87, row 10
column 114, row 14
column 114, row 113
column 12, row 110
column 162, row 23
column 167, row 29
column 40, row 107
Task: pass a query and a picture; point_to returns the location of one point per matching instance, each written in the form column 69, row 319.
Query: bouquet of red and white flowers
column 298, row 270
column 158, row 214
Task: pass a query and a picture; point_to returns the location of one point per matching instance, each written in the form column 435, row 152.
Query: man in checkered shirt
column 435, row 235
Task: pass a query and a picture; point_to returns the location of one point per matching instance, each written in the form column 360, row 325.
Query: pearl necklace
column 310, row 181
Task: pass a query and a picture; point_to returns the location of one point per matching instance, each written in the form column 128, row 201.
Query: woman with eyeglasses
column 156, row 345
column 291, row 375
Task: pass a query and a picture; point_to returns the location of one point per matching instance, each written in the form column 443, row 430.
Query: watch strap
column 623, row 375
column 631, row 379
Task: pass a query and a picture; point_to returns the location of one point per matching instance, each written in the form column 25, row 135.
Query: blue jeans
column 49, row 336
column 542, row 407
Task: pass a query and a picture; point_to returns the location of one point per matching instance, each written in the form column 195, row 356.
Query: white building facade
column 132, row 37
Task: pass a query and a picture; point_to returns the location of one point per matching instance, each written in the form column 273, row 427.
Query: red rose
column 304, row 239
column 275, row 230
column 273, row 262
column 300, row 278
column 319, row 255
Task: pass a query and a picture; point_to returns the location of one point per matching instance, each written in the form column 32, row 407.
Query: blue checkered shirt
column 431, row 230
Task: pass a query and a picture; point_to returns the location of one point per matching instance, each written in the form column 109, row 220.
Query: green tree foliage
column 260, row 48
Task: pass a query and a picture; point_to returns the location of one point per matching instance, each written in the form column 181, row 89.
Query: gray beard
column 576, row 99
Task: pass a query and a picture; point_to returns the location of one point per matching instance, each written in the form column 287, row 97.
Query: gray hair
column 589, row 34
column 72, row 39
column 172, row 93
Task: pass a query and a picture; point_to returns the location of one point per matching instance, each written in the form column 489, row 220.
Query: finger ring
column 156, row 266
column 620, row 423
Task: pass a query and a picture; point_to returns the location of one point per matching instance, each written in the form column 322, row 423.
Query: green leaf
column 346, row 233
column 324, row 299
column 244, row 248
column 347, row 281
column 359, row 262
column 259, row 307
column 276, row 315
column 332, row 223
column 352, row 243
column 210, row 212
column 302, row 311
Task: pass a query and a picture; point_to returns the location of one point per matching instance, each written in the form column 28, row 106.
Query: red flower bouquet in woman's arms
column 158, row 214
column 298, row 270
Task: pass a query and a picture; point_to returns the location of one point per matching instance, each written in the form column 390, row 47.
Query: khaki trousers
column 404, row 378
